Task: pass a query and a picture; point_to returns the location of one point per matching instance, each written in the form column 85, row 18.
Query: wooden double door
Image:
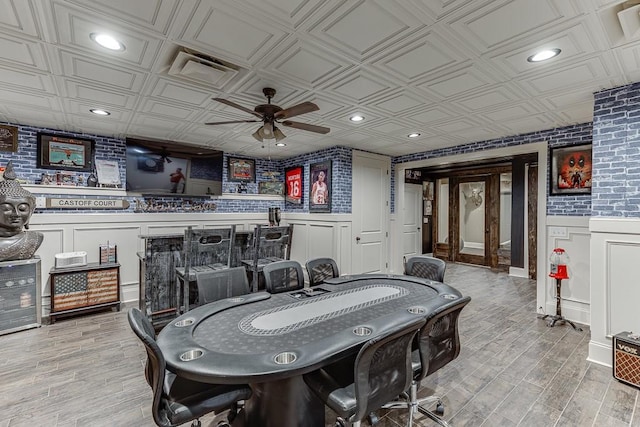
column 472, row 219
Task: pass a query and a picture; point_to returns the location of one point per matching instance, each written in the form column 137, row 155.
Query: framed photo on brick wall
column 293, row 185
column 570, row 170
column 320, row 187
column 8, row 138
column 65, row 152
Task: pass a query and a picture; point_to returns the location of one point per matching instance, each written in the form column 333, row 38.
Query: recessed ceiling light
column 543, row 55
column 413, row 135
column 107, row 41
column 356, row 118
column 280, row 144
column 100, row 112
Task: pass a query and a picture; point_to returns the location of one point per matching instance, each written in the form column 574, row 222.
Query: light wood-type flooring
column 513, row 370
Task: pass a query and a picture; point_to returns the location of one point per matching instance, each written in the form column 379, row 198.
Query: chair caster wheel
column 372, row 419
column 439, row 409
column 340, row 423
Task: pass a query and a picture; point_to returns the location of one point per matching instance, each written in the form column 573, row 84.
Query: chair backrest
column 156, row 365
column 242, row 247
column 382, row 369
column 283, row 276
column 321, row 269
column 439, row 342
column 215, row 285
column 426, row 267
column 210, row 246
column 272, row 242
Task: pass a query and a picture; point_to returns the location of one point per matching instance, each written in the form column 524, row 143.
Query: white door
column 412, row 221
column 370, row 195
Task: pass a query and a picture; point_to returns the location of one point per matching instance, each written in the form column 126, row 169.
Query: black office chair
column 438, row 344
column 215, row 285
column 321, row 269
column 177, row 400
column 426, row 267
column 382, row 370
column 283, row 276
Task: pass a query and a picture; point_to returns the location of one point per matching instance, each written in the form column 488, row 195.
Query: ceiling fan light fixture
column 277, row 133
column 257, row 135
column 267, row 130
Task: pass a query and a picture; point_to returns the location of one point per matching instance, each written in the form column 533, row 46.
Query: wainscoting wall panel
column 314, row 235
column 615, row 279
column 572, row 235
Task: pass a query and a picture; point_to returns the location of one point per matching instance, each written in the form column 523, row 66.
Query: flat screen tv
column 166, row 168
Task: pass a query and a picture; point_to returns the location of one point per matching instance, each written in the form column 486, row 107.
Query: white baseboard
column 600, row 354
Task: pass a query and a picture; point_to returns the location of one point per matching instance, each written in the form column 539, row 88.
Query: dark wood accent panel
column 454, row 219
column 517, row 212
column 533, row 221
column 492, row 221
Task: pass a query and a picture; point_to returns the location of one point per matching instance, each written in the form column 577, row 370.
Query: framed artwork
column 570, row 170
column 65, row 152
column 412, row 176
column 320, row 187
column 271, row 187
column 293, row 185
column 243, row 170
column 8, row 138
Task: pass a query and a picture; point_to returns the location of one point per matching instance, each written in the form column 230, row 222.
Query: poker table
column 270, row 340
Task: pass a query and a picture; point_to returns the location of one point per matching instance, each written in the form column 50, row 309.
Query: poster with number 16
column 293, row 183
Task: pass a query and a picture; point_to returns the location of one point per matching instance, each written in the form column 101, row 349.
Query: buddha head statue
column 16, row 207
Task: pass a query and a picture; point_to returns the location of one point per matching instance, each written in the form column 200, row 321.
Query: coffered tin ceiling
column 453, row 70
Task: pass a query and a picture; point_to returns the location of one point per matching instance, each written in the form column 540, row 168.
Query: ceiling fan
column 270, row 114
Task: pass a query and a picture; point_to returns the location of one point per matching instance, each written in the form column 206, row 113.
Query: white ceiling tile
column 21, row 52
column 572, row 76
column 395, row 104
column 19, row 16
column 75, row 28
column 487, row 99
column 427, row 56
column 96, row 71
column 458, row 83
column 172, row 91
column 160, row 108
column 433, row 114
column 306, row 64
column 153, row 14
column 360, row 87
column 28, row 79
column 101, row 96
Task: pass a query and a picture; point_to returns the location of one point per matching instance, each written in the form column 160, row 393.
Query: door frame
column 540, row 148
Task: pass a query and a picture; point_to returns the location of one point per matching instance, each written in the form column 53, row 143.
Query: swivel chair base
column 559, row 320
column 414, row 404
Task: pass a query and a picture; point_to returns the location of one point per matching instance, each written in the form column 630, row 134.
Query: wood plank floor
column 513, row 370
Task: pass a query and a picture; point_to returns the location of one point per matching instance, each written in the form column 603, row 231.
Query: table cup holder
column 191, row 355
column 185, row 322
column 362, row 331
column 417, row 310
column 285, row 358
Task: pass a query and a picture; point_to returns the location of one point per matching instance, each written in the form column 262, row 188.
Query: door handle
column 357, row 239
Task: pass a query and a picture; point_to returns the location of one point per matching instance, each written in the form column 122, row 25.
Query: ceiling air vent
column 629, row 18
column 201, row 68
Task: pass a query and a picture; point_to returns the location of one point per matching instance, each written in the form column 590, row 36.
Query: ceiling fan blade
column 306, row 126
column 238, row 106
column 233, row 121
column 296, row 110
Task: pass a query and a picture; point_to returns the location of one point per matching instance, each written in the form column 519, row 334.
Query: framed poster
column 570, row 170
column 243, row 170
column 320, row 191
column 8, row 138
column 412, row 176
column 65, row 152
column 293, row 185
column 270, row 187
